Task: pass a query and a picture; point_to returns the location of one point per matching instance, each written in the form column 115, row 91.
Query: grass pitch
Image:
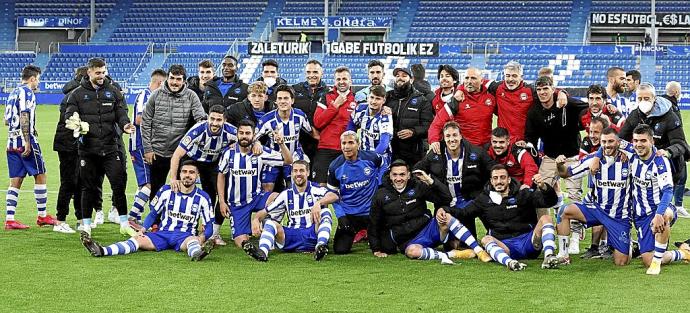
column 43, row 271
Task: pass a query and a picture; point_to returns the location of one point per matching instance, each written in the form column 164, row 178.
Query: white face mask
column 645, row 106
column 270, row 81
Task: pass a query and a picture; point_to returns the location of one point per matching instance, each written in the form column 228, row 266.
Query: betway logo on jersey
column 299, row 213
column 357, row 184
column 244, row 172
column 454, row 179
column 181, row 216
column 612, row 184
column 292, row 138
column 642, row 182
column 372, row 135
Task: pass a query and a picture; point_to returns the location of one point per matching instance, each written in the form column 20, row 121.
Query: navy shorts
column 20, row 166
column 241, row 215
column 298, row 239
column 141, row 169
column 165, row 240
column 428, row 237
column 521, row 247
column 645, row 237
column 618, row 229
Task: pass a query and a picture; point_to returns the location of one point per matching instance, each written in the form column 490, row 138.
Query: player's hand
column 149, row 157
column 663, row 153
column 611, row 108
column 175, row 185
column 316, row 213
column 658, row 224
column 436, row 147
column 224, row 209
column 256, row 228
column 594, row 166
column 27, row 151
column 380, row 254
column 257, row 148
column 523, row 186
column 441, row 216
column 561, row 159
column 459, row 96
column 521, row 144
column 562, row 99
column 423, row 177
column 624, row 157
column 405, row 134
column 339, row 101
column 538, row 180
column 386, row 110
column 129, row 128
column 278, row 137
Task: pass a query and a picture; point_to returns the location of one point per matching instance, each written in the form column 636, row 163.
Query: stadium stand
column 673, row 67
column 377, row 8
column 291, row 68
column 74, row 8
column 662, row 6
column 303, row 7
column 121, row 65
column 11, row 64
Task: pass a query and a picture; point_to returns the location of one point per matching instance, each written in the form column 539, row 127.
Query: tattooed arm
column 25, row 125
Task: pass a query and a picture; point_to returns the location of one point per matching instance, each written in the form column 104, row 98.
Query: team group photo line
column 395, row 165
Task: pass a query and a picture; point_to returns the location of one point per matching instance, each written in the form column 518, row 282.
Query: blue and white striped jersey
column 203, row 146
column 373, row 128
column 243, row 173
column 355, row 182
column 181, row 212
column 610, row 187
column 22, row 99
column 650, row 179
column 454, row 176
column 622, row 104
column 291, row 128
column 296, row 205
column 135, row 142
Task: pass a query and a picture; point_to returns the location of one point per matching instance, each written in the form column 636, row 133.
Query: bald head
column 673, row 89
column 473, row 80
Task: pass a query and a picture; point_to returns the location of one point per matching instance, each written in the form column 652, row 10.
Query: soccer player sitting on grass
column 180, row 213
column 305, row 231
column 510, row 216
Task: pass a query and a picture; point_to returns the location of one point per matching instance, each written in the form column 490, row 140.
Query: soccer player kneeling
column 309, row 226
column 180, row 213
column 509, row 213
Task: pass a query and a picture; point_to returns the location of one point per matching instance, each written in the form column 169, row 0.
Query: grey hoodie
column 166, row 118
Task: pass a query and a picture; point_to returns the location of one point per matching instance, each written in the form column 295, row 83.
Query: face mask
column 645, row 106
column 270, row 81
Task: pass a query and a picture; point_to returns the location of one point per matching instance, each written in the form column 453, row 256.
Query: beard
column 244, row 143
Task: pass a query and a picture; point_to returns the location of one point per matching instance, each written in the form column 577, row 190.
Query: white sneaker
column 84, row 229
column 62, row 227
column 113, row 216
column 682, row 212
column 99, row 218
column 574, row 246
column 445, row 260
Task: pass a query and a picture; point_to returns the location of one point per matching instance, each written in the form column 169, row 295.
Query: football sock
column 122, row 247
column 324, row 227
column 430, row 254
column 268, row 237
column 11, row 199
column 659, row 250
column 548, row 239
column 563, row 242
column 498, row 254
column 140, row 200
column 461, row 232
column 193, row 247
column 41, row 195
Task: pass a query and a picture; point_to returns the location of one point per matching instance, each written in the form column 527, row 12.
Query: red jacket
column 474, row 115
column 519, row 162
column 332, row 122
column 513, row 106
column 437, row 103
column 616, row 120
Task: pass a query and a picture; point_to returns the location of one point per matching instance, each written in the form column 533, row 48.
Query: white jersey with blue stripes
column 182, row 211
column 622, row 104
column 649, row 179
column 135, row 141
column 454, row 176
column 22, row 99
column 371, row 127
column 203, row 146
column 297, row 205
column 290, row 129
column 243, row 173
column 610, row 187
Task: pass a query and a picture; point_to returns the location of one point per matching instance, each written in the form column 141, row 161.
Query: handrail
column 149, row 50
column 36, row 47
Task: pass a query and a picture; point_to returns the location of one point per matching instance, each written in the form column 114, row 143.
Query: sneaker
column 682, row 212
column 607, row 253
column 550, row 262
column 320, row 252
column 462, row 254
column 98, row 220
column 591, row 253
column 484, row 256
column 93, row 247
column 136, row 226
column 445, row 260
column 205, row 250
column 218, row 241
column 574, row 247
column 516, row 266
column 46, row 220
column 63, row 228
column 9, row 225
column 253, row 252
column 654, row 268
column 360, row 236
column 113, row 216
column 127, row 231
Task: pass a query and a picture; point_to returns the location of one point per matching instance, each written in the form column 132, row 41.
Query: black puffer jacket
column 476, row 167
column 403, row 215
column 63, row 140
column 411, row 110
column 212, row 95
column 515, row 215
column 306, row 100
column 271, row 90
column 104, row 110
column 244, row 110
column 193, row 85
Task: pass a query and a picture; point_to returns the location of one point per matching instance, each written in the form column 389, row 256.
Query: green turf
column 43, row 271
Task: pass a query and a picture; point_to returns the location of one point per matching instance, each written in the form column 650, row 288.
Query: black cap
column 404, row 69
